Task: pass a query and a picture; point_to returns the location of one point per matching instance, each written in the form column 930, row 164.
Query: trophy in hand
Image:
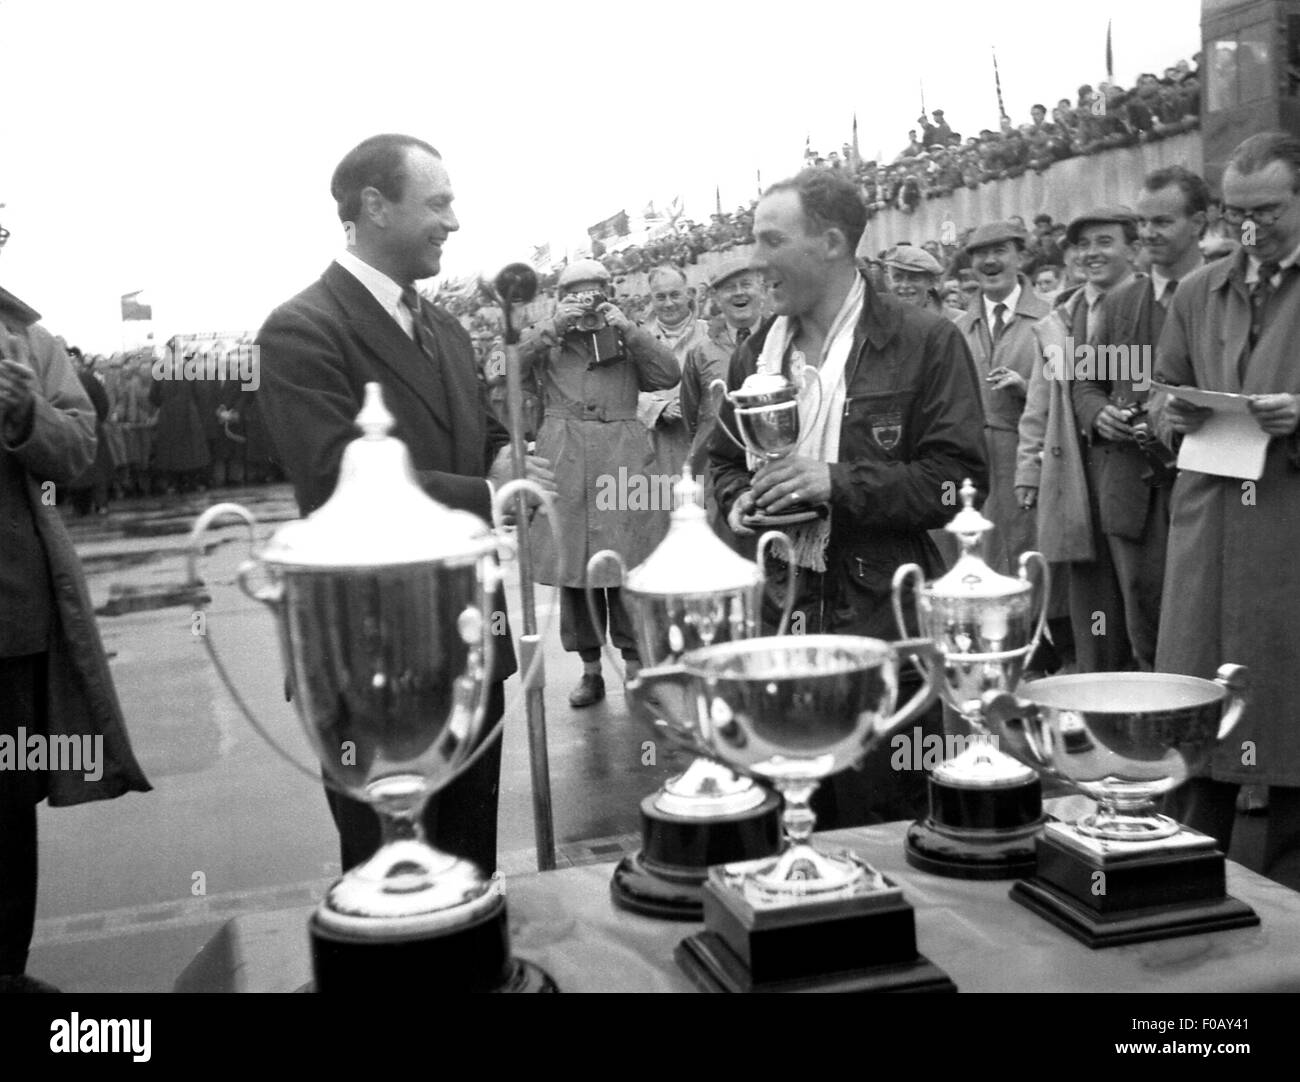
column 986, row 809
column 1125, row 873
column 792, row 711
column 766, row 408
column 383, row 599
column 692, row 591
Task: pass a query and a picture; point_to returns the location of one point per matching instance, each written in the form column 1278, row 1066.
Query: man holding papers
column 1232, row 586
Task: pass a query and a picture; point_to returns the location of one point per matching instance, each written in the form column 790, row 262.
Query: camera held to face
column 606, row 342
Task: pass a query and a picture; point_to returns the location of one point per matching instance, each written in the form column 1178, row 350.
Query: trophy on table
column 766, row 408
column 383, row 599
column 986, row 809
column 1124, row 874
column 791, row 711
column 692, row 591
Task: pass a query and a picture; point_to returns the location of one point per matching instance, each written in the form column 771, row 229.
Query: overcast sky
column 185, row 148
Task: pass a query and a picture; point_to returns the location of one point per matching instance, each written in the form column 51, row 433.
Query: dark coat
column 80, row 697
column 1130, row 317
column 913, row 430
column 320, row 349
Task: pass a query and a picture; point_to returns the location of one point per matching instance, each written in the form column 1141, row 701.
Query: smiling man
column 673, row 324
column 998, row 328
column 362, row 321
column 1232, row 583
column 898, row 428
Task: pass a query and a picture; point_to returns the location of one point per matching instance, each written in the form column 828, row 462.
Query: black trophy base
column 666, row 879
column 866, row 943
column 472, row 958
column 975, row 832
column 1108, row 895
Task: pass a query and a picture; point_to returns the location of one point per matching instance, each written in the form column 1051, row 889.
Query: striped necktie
column 423, row 333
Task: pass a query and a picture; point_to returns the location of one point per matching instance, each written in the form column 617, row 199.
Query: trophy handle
column 1236, row 680
column 607, row 645
column 1004, row 716
column 718, row 413
column 1045, row 584
column 901, row 577
column 772, row 537
column 269, row 595
column 810, row 372
column 930, row 669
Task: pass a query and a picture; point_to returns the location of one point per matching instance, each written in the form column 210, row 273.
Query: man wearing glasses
column 1232, row 584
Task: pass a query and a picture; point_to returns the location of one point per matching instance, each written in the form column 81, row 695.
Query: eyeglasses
column 1265, row 215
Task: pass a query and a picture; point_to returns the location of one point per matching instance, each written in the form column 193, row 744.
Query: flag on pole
column 758, row 180
column 1110, row 56
column 857, row 154
column 807, row 148
column 997, row 82
column 923, row 109
column 717, row 200
column 133, row 309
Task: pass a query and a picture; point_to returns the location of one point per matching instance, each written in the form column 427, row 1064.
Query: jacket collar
column 1229, row 270
column 879, row 322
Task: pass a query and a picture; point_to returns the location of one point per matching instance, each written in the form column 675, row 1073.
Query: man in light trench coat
column 1232, row 580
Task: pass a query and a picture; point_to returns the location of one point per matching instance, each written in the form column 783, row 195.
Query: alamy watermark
column 1134, row 363
column 242, row 364
column 629, row 491
column 83, row 754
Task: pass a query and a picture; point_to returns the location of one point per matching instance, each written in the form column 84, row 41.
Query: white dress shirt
column 387, row 292
column 1010, row 300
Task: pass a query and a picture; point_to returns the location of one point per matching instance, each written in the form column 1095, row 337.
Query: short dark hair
column 1038, row 106
column 828, row 200
column 378, row 162
column 1196, row 193
column 1264, row 148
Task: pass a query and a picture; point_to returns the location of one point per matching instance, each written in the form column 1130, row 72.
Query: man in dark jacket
column 362, row 321
column 899, row 427
column 56, row 693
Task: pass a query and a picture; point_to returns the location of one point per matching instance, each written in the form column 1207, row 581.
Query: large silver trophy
column 692, row 591
column 384, row 603
column 791, row 711
column 766, row 408
column 1125, row 873
column 985, row 807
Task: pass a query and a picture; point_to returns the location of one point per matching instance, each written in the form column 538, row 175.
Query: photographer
column 591, row 362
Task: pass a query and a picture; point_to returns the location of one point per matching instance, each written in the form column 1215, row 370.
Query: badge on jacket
column 887, row 430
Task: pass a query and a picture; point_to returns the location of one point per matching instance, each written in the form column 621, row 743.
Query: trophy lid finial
column 687, row 492
column 374, row 420
column 968, row 524
column 970, row 577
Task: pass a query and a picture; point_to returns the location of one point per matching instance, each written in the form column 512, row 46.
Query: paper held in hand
column 1230, row 443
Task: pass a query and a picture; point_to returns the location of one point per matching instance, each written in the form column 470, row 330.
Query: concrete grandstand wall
column 1068, row 188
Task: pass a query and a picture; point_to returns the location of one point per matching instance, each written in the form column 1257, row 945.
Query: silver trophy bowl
column 1122, row 738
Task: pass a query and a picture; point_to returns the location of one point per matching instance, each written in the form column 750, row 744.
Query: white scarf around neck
column 820, row 434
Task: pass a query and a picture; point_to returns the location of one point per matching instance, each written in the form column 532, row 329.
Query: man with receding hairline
column 899, row 427
column 362, row 321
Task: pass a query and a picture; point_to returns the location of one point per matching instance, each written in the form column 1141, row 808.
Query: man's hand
column 1277, row 414
column 1026, row 496
column 790, row 481
column 615, row 317
column 1111, row 425
column 566, row 315
column 17, row 398
column 744, row 505
column 1006, row 379
column 1185, row 417
column 672, row 411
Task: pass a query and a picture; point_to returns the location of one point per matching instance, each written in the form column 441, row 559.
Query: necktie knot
column 742, row 333
column 411, row 299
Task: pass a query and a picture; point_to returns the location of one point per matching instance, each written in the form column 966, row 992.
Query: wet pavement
column 130, row 889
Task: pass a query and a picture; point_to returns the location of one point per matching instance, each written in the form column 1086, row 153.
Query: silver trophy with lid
column 985, row 807
column 384, row 600
column 692, row 591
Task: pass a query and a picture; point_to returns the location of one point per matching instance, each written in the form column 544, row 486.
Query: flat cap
column 728, row 268
column 1099, row 216
column 908, row 257
column 995, row 233
column 584, row 270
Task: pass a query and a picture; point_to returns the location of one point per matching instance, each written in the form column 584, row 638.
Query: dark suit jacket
column 317, row 353
column 1129, row 317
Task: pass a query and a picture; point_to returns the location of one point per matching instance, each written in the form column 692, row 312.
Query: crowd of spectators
column 937, row 160
column 159, row 437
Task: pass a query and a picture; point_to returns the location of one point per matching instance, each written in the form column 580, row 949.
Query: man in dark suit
column 362, row 321
column 1132, row 500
